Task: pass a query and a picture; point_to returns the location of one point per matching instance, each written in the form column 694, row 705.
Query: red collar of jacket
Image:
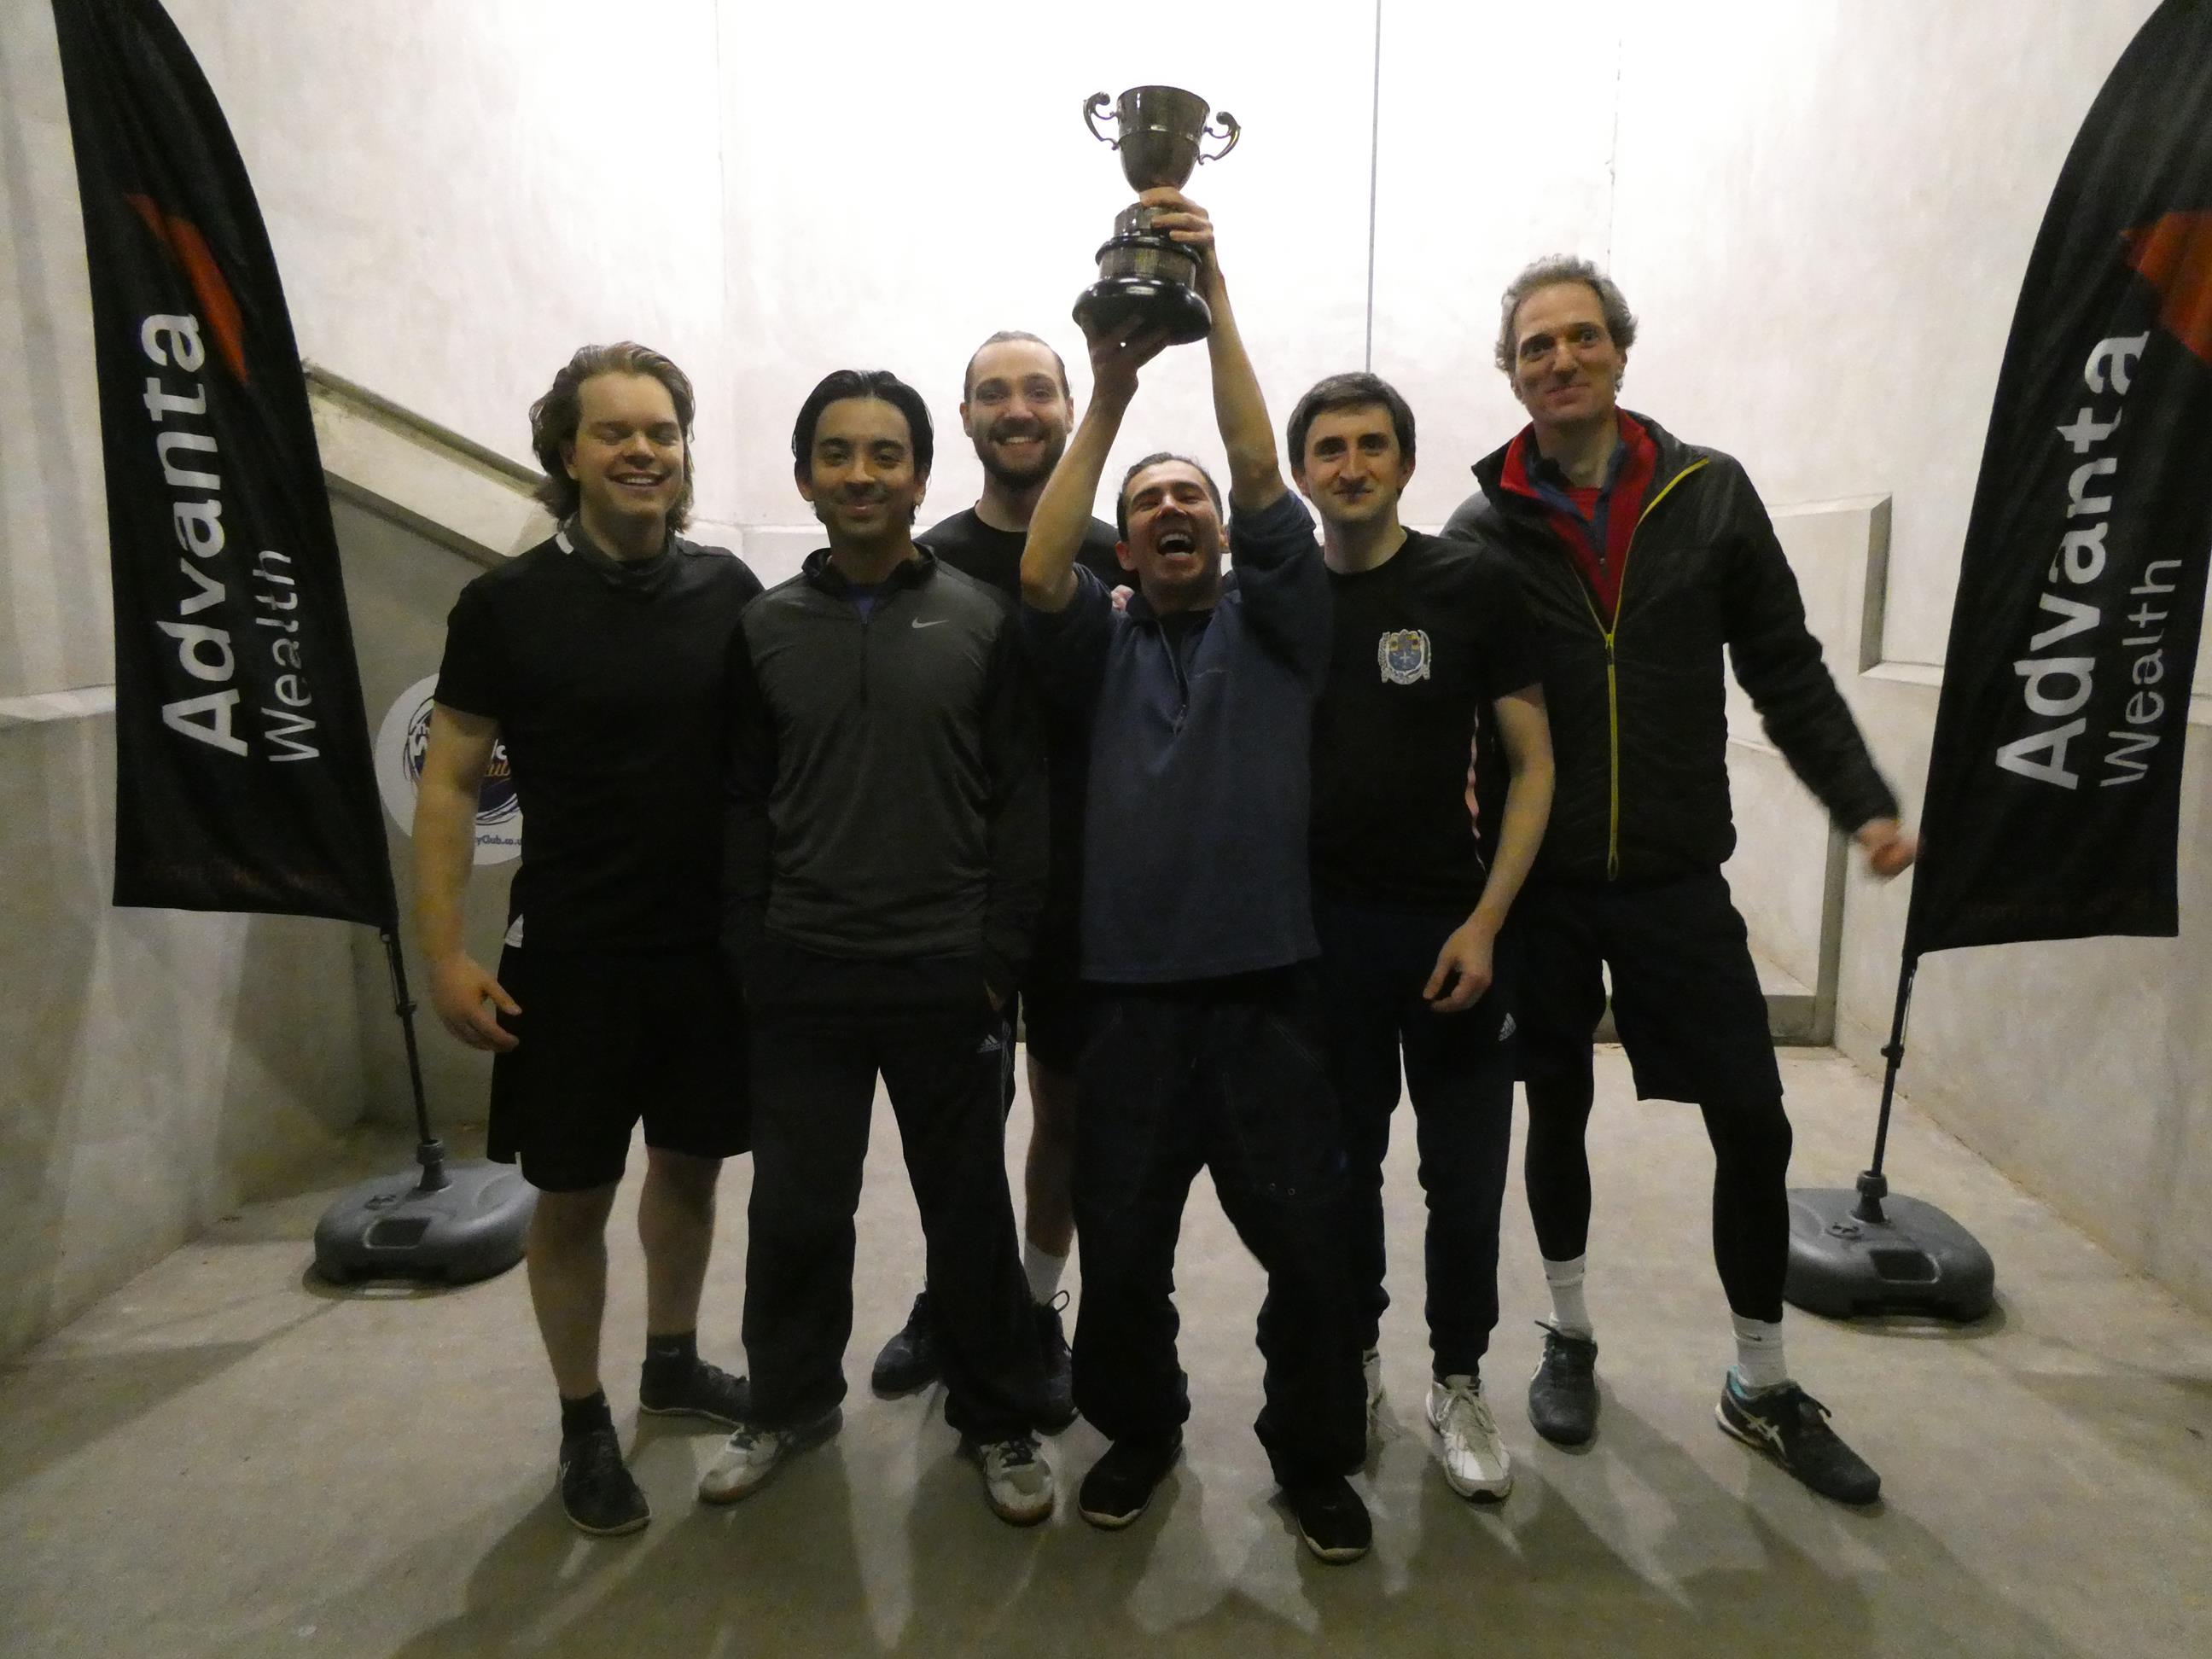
column 1600, row 562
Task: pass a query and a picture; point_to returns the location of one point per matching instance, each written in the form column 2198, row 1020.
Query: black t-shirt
column 993, row 557
column 606, row 681
column 1423, row 643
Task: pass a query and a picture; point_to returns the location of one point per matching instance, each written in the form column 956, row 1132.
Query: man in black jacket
column 1629, row 875
column 884, row 867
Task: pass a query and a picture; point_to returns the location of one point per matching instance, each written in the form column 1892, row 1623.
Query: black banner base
column 401, row 1227
column 1909, row 1257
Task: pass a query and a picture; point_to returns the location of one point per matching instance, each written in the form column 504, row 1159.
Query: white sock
column 1568, row 1313
column 1759, row 1364
column 1044, row 1269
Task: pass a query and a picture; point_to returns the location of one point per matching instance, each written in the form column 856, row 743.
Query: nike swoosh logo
column 939, row 623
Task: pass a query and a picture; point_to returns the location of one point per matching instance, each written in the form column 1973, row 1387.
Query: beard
column 1018, row 478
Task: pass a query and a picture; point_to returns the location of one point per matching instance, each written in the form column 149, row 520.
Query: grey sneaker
column 752, row 1454
column 1017, row 1482
column 1563, row 1393
column 1475, row 1461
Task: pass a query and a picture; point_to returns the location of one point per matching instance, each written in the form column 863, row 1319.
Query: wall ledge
column 76, row 704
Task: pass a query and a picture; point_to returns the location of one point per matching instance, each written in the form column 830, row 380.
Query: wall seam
column 1613, row 145
column 1374, row 174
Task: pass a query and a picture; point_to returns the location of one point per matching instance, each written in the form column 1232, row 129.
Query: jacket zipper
column 1182, row 682
column 1612, row 677
column 864, row 622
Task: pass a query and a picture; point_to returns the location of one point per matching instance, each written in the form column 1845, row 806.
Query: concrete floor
column 227, row 1458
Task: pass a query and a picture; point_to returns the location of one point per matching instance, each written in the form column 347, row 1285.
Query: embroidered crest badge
column 1403, row 656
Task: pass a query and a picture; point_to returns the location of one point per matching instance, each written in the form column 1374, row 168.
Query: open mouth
column 1176, row 544
column 640, row 480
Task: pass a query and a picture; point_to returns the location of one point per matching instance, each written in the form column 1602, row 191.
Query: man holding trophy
column 1196, row 938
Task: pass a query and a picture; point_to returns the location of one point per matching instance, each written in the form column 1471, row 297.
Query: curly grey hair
column 1620, row 321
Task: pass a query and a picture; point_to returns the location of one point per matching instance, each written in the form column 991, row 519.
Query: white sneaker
column 1017, row 1482
column 1370, row 1370
column 1475, row 1457
column 752, row 1454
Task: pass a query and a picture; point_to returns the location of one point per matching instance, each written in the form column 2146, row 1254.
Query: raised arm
column 1255, row 470
column 459, row 750
column 1063, row 512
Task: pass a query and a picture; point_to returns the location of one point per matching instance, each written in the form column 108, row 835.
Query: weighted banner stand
column 1868, row 1251
column 453, row 1222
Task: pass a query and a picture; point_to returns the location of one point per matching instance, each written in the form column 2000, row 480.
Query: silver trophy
column 1144, row 275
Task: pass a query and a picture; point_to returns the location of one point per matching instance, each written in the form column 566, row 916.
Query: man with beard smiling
column 1198, row 938
column 884, row 869
column 1016, row 408
column 597, row 658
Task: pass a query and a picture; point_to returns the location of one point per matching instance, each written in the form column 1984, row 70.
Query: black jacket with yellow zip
column 1639, row 722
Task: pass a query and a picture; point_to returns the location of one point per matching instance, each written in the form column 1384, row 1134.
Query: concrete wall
column 1821, row 210
column 156, row 1068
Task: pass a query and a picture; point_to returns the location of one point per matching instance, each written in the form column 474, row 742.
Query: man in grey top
column 884, row 864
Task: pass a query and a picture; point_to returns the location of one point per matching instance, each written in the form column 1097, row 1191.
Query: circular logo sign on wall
column 400, row 743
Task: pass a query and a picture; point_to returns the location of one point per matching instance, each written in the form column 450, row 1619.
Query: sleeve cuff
column 1274, row 533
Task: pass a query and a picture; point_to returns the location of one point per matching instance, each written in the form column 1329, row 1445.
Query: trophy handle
column 1092, row 106
column 1227, row 128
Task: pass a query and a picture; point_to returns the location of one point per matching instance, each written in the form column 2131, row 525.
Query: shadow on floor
column 54, row 1406
column 782, row 1573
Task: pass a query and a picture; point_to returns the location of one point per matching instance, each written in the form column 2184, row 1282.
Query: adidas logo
column 991, row 1045
column 1507, row 1028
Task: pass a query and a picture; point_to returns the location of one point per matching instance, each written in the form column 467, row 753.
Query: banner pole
column 429, row 1150
column 1873, row 1186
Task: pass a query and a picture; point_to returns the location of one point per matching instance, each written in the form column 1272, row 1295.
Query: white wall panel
column 1494, row 147
column 460, row 192
column 907, row 183
column 1824, row 211
column 56, row 625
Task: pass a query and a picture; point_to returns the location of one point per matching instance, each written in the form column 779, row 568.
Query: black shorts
column 608, row 1039
column 1053, row 1003
column 1686, row 997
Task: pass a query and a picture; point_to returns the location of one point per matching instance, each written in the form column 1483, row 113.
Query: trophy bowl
column 1146, row 277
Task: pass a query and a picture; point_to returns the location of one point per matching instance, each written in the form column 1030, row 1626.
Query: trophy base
column 1110, row 306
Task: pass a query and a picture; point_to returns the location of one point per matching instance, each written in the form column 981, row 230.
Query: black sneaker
column 696, row 1389
column 1791, row 1427
column 1121, row 1483
column 1332, row 1519
column 1056, row 1407
column 1563, row 1393
column 596, row 1490
column 908, row 1360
